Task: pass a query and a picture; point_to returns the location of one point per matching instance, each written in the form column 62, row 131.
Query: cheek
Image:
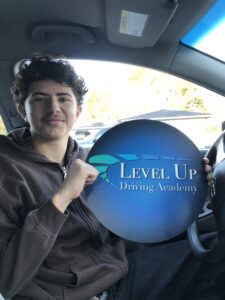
column 35, row 110
column 73, row 117
column 32, row 114
column 73, row 113
column 29, row 110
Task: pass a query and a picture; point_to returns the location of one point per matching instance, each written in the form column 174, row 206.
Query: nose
column 53, row 105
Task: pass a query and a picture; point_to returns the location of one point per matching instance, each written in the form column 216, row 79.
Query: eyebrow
column 46, row 94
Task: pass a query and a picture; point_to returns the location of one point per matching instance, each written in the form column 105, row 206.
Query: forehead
column 49, row 87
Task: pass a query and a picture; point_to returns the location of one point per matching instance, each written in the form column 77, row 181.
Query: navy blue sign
column 151, row 184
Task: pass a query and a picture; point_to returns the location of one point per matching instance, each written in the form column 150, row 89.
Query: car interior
column 143, row 33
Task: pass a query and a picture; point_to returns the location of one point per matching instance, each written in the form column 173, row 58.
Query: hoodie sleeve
column 24, row 247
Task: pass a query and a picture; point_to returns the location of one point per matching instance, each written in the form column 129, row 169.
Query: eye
column 39, row 99
column 65, row 99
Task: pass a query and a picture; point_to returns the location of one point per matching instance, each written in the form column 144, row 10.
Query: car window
column 120, row 92
column 2, row 127
column 208, row 34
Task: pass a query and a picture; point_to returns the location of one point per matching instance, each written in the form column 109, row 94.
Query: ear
column 21, row 110
column 79, row 110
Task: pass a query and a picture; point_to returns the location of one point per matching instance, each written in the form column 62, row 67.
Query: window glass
column 2, row 127
column 208, row 35
column 119, row 92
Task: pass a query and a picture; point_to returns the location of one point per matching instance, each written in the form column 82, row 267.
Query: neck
column 54, row 150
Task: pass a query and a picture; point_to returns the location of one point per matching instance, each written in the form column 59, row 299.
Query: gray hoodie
column 45, row 254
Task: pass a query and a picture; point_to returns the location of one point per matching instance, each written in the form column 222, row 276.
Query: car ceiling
column 89, row 29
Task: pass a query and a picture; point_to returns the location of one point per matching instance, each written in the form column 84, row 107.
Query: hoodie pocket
column 95, row 272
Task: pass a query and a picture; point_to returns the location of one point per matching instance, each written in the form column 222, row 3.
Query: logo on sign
column 129, row 172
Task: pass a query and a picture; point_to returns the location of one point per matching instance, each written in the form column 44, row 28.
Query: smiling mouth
column 53, row 121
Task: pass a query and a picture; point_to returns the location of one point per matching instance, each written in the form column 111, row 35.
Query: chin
column 56, row 136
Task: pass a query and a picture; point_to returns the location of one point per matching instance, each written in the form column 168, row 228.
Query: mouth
column 53, row 121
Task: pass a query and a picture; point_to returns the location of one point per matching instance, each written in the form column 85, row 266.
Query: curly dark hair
column 46, row 67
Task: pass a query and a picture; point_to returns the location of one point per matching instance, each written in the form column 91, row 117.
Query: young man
column 51, row 245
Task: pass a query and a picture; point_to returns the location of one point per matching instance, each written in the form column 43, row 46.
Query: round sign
column 151, row 184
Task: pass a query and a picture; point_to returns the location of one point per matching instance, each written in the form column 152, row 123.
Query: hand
column 207, row 169
column 79, row 175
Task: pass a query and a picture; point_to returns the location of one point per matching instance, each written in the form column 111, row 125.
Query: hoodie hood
column 18, row 144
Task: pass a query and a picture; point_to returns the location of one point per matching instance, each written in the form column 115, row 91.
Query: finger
column 90, row 179
column 206, row 160
column 208, row 168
